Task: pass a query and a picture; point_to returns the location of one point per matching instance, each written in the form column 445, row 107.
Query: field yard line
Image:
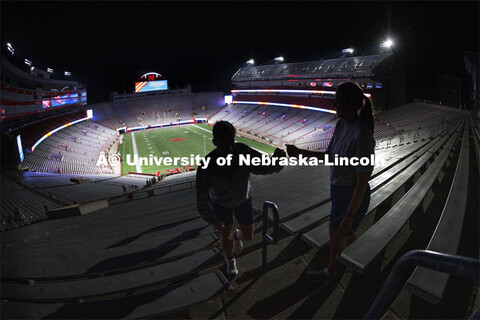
column 211, row 132
column 170, row 144
column 135, row 151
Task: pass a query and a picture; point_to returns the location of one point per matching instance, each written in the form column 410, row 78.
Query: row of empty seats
column 144, row 111
column 73, row 150
column 21, row 206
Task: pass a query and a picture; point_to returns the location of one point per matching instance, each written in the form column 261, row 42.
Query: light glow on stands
column 348, row 50
column 28, row 62
column 228, row 99
column 287, row 105
column 279, row 59
column 20, row 148
column 137, row 128
column 55, row 130
column 284, row 91
column 49, row 70
column 250, row 62
column 184, row 121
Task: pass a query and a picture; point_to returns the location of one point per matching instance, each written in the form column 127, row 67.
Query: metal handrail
column 267, row 239
column 464, row 267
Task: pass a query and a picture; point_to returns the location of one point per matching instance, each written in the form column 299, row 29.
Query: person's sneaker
column 320, row 276
column 232, row 266
column 237, row 243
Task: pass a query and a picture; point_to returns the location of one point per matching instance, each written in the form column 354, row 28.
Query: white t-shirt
column 351, row 139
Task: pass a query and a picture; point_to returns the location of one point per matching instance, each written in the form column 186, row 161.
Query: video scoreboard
column 151, row 81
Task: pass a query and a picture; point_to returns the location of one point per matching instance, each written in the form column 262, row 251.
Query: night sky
column 107, row 44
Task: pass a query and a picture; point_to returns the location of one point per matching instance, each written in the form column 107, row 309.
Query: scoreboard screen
column 146, row 86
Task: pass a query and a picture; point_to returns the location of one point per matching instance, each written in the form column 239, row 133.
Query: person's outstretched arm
column 267, row 169
column 295, row 152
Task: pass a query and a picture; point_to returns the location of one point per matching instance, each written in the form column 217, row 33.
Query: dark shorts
column 243, row 213
column 341, row 196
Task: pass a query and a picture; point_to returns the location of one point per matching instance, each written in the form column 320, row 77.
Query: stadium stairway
column 129, row 238
column 283, row 292
column 157, row 260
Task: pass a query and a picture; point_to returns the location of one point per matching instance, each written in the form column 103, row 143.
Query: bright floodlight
column 10, row 48
column 278, row 59
column 67, row 73
column 348, row 50
column 50, row 70
column 28, row 62
column 387, row 44
column 250, row 62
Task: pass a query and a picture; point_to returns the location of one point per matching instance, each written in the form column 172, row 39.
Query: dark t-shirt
column 228, row 186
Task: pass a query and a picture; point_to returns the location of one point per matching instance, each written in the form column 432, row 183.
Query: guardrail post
column 267, row 239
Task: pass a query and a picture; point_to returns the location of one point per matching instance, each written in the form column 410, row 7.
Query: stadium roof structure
column 359, row 66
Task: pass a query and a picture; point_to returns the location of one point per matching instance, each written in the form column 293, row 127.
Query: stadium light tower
column 346, row 51
column 278, row 59
column 28, row 62
column 250, row 62
column 387, row 44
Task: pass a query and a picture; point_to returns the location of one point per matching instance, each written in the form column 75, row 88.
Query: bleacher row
column 384, row 183
column 160, row 259
column 417, row 118
column 280, row 125
column 73, row 150
column 155, row 109
column 30, row 204
column 148, row 265
column 313, row 130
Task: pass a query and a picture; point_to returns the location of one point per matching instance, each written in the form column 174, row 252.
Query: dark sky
column 107, row 44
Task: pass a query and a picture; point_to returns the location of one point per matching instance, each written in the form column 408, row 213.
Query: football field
column 178, row 141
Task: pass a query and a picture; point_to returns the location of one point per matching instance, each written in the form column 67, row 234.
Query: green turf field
column 182, row 141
